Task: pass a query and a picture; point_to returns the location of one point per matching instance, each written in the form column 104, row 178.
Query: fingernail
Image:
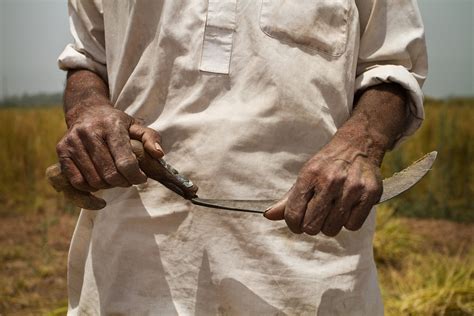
column 158, row 147
column 266, row 211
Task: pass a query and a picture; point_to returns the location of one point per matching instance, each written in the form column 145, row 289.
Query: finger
column 72, row 173
column 317, row 211
column 368, row 199
column 124, row 158
column 150, row 138
column 103, row 162
column 350, row 196
column 296, row 206
column 276, row 212
column 338, row 216
column 84, row 163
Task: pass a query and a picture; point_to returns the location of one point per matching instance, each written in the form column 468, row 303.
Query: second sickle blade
column 162, row 172
column 392, row 187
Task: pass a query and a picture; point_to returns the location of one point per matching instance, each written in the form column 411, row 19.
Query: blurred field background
column 423, row 244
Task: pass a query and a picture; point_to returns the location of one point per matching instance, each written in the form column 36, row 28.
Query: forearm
column 340, row 184
column 96, row 153
column 379, row 118
column 84, row 90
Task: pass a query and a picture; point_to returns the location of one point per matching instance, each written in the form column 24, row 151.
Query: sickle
column 164, row 173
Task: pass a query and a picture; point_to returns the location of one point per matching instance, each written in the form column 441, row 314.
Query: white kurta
column 243, row 92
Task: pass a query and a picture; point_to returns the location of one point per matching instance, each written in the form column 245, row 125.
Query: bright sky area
column 34, row 32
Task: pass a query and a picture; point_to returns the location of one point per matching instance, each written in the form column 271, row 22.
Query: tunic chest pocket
column 321, row 25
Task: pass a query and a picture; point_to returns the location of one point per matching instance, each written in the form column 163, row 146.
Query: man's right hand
column 96, row 153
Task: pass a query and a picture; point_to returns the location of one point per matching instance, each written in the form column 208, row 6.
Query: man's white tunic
column 243, row 92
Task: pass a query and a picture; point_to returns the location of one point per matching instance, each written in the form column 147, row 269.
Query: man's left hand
column 336, row 188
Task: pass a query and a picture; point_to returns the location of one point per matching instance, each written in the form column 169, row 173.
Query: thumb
column 276, row 212
column 150, row 138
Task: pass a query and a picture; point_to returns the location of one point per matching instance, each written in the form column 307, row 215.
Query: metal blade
column 248, row 206
column 401, row 181
column 393, row 186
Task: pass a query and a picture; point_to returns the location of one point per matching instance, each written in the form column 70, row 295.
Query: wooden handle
column 158, row 170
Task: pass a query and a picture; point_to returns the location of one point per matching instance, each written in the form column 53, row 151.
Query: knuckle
column 111, row 177
column 156, row 135
column 323, row 177
column 373, row 189
column 312, row 169
column 114, row 178
column 77, row 181
column 355, row 186
column 65, row 168
column 60, row 148
column 152, row 133
column 130, row 169
column 71, row 139
column 88, row 130
column 86, row 127
column 292, row 218
column 113, row 122
column 126, row 164
column 80, row 131
column 336, row 178
column 96, row 182
column 302, row 184
column 119, row 120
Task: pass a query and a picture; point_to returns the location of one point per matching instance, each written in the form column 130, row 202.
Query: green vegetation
column 28, row 138
column 425, row 266
column 448, row 190
column 419, row 276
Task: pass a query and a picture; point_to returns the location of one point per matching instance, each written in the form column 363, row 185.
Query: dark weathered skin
column 96, row 153
column 153, row 168
column 161, row 171
column 339, row 185
column 335, row 188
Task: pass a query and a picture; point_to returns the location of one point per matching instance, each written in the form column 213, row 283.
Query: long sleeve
column 87, row 28
column 393, row 49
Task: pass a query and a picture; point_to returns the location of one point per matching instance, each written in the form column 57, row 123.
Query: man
column 251, row 97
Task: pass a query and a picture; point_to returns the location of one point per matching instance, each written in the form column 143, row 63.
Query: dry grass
column 447, row 191
column 431, row 284
column 33, row 254
column 425, row 266
column 28, row 138
column 419, row 274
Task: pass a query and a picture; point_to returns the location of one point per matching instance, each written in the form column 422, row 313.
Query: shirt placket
column 218, row 36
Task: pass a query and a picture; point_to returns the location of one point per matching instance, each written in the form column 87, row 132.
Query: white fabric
column 218, row 36
column 239, row 133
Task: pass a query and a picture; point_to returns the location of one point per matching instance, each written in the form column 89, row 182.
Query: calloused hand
column 96, row 153
column 336, row 188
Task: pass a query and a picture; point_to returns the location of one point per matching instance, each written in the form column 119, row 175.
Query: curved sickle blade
column 393, row 186
column 401, row 181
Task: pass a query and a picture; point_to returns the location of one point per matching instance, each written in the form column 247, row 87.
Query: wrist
column 368, row 142
column 85, row 91
column 84, row 107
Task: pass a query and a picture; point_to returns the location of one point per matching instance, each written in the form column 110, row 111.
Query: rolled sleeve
column 87, row 28
column 393, row 50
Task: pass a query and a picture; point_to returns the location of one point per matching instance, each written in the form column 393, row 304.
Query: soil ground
column 33, row 254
